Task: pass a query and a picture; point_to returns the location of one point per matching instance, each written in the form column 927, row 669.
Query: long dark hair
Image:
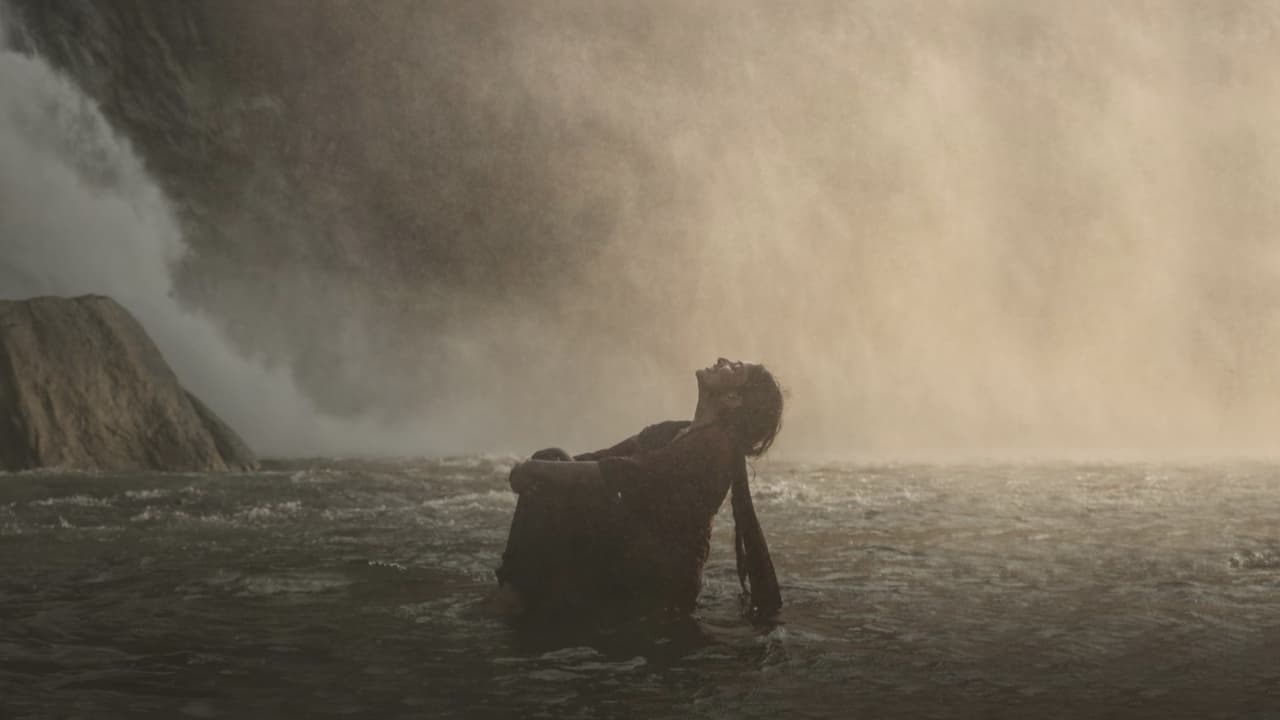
column 754, row 425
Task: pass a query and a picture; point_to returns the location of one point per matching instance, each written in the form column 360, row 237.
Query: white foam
column 300, row 583
column 488, row 500
column 74, row 500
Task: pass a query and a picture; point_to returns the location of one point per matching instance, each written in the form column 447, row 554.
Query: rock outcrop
column 82, row 386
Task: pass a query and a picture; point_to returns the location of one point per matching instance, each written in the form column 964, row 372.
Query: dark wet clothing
column 638, row 541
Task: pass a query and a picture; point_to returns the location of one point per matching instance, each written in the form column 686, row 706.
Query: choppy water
column 358, row 588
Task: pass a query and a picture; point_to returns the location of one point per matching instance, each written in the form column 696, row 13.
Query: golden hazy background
column 956, row 227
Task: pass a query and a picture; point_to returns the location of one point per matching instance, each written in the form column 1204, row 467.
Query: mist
column 975, row 227
column 80, row 216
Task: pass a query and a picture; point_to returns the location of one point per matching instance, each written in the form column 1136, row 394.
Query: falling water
column 79, row 215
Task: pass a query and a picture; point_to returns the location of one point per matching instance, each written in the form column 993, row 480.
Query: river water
column 358, row 588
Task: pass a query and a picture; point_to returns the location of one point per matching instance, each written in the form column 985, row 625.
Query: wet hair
column 756, row 422
column 754, row 425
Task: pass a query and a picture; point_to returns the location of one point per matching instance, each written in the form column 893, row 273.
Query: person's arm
column 533, row 474
column 673, row 471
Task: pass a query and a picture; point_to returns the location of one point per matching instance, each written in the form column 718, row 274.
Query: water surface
column 358, row 588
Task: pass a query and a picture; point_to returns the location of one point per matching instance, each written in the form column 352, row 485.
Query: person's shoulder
column 711, row 440
column 660, row 434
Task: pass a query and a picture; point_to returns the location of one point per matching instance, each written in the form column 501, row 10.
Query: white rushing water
column 80, row 215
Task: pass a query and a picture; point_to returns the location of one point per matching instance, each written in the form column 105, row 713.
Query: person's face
column 724, row 375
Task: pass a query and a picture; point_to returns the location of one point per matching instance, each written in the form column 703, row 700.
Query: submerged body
column 637, row 540
column 628, row 528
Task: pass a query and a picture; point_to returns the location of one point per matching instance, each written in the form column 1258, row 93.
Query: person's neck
column 706, row 413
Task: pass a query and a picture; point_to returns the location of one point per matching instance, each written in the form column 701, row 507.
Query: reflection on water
column 360, row 588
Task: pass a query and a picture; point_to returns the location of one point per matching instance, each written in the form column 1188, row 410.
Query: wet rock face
column 82, row 386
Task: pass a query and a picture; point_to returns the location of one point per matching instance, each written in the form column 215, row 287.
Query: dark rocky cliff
column 82, row 386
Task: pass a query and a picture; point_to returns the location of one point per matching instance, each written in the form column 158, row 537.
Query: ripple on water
column 160, row 493
column 264, row 514
column 988, row 587
column 9, row 523
column 1254, row 560
column 291, row 584
column 316, row 476
column 488, row 500
column 74, row 501
column 449, row 611
column 571, row 664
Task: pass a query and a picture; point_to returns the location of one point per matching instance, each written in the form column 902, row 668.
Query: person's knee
column 552, row 454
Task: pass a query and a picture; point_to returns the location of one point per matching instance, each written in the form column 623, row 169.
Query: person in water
column 628, row 528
